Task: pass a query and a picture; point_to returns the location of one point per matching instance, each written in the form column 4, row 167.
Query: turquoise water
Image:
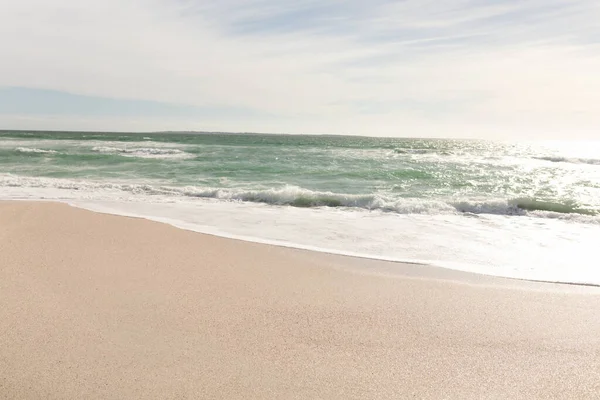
column 402, row 175
column 525, row 184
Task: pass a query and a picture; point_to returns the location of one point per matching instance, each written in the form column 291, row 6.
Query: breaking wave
column 591, row 161
column 34, row 150
column 143, row 152
column 300, row 197
column 414, row 151
column 524, row 206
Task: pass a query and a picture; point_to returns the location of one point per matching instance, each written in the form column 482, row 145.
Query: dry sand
column 104, row 307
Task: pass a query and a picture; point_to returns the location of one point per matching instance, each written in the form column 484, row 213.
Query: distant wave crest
column 591, row 161
column 414, row 151
column 34, row 150
column 143, row 152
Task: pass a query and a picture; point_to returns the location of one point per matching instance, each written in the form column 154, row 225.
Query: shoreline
column 382, row 199
column 103, row 306
column 427, row 269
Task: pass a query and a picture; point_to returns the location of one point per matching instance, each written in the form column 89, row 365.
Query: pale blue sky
column 454, row 68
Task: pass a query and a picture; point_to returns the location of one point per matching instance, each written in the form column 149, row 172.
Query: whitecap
column 143, row 152
column 34, row 150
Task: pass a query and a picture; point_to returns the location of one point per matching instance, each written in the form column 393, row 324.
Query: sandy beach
column 97, row 306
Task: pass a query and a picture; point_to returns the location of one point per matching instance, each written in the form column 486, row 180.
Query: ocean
column 527, row 210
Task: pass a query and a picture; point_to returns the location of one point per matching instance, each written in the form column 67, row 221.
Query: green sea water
column 308, row 171
column 519, row 209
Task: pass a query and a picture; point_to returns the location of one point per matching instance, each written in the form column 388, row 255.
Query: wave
column 414, row 151
column 525, row 206
column 591, row 161
column 34, row 150
column 568, row 207
column 300, row 197
column 143, row 152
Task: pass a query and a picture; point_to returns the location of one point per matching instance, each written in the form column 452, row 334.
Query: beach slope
column 98, row 306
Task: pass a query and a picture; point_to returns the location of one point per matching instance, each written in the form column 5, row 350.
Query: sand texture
column 96, row 306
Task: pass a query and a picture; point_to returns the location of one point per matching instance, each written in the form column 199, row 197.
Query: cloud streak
column 432, row 68
column 19, row 100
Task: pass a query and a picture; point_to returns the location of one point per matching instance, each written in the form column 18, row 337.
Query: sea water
column 527, row 210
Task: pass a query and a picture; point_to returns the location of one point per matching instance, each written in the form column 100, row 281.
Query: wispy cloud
column 455, row 67
column 23, row 101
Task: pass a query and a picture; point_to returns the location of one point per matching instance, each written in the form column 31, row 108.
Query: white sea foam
column 572, row 160
column 300, row 197
column 143, row 152
column 34, row 150
column 523, row 247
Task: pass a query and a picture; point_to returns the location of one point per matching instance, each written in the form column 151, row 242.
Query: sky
column 527, row 69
